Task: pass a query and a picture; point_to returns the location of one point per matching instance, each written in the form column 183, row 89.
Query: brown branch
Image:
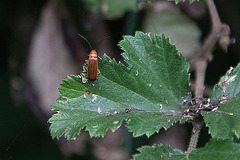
column 216, row 22
column 197, row 125
column 219, row 32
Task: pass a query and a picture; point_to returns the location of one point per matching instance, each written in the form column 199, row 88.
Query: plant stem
column 204, row 53
column 200, row 77
column 216, row 22
column 197, row 125
column 201, row 59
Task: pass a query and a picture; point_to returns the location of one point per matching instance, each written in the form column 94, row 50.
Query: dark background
column 24, row 130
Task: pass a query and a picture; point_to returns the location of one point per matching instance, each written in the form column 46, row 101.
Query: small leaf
column 157, row 152
column 214, row 150
column 225, row 121
column 228, row 85
column 217, row 150
column 147, row 94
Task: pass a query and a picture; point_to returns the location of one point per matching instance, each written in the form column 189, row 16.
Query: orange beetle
column 92, row 66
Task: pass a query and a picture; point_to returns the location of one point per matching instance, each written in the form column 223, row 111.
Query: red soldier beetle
column 92, row 66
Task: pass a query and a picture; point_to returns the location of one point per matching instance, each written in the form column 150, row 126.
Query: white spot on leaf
column 137, row 73
column 94, row 97
column 99, row 110
column 74, row 138
column 160, row 106
column 84, row 80
column 230, row 70
column 115, row 122
column 225, row 83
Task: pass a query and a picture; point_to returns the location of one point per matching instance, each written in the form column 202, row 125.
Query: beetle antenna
column 106, row 37
column 85, row 40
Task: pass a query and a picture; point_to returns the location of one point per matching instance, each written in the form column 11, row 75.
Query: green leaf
column 177, row 1
column 217, row 150
column 158, row 69
column 111, row 8
column 157, row 152
column 147, row 94
column 214, row 150
column 225, row 122
column 228, row 85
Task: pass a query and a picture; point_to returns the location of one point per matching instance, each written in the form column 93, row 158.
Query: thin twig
column 203, row 56
column 200, row 76
column 197, row 125
column 204, row 53
column 216, row 22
